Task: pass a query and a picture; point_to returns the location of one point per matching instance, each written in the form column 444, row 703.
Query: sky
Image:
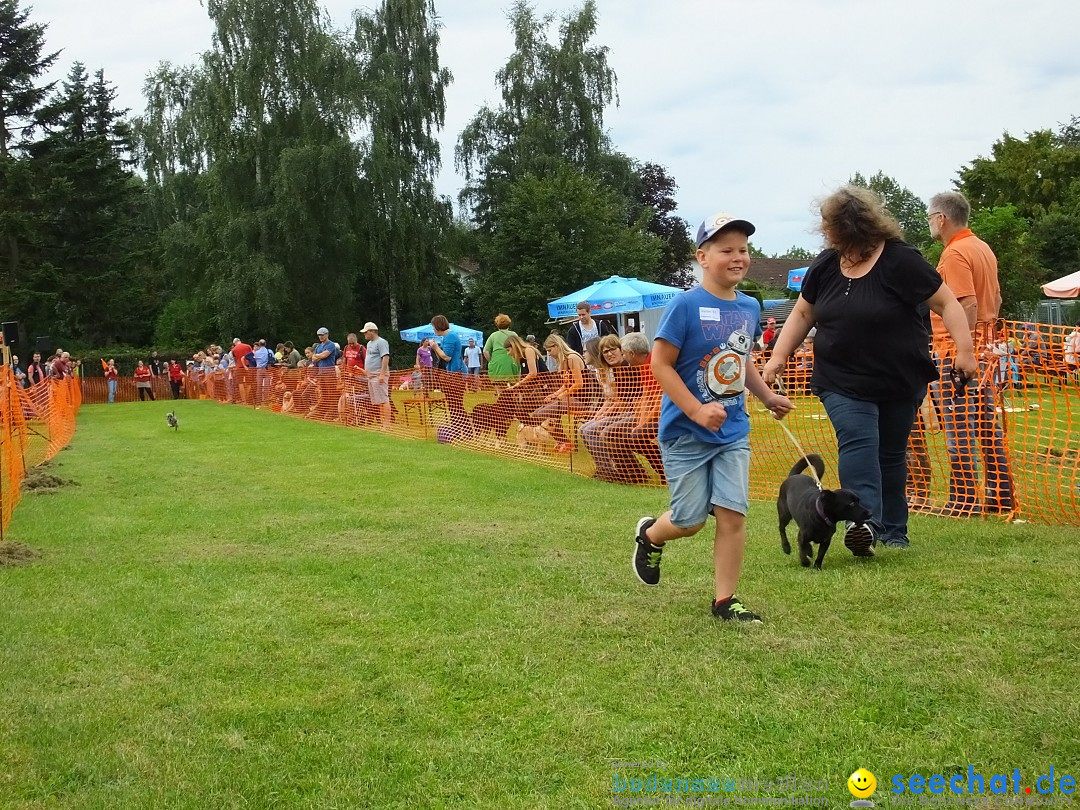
column 756, row 108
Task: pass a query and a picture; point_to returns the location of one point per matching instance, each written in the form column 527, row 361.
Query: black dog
column 816, row 512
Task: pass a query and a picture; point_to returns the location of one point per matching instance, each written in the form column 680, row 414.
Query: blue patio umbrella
column 614, row 295
column 418, row 333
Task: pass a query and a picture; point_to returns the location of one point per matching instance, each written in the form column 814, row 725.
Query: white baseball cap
column 719, row 222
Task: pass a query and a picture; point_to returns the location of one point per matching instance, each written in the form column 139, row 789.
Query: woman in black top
column 867, row 294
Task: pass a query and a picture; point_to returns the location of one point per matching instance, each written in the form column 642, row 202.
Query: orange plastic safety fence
column 37, row 423
column 1015, row 420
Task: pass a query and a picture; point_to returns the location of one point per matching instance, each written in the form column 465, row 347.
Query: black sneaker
column 896, row 542
column 859, row 538
column 734, row 611
column 646, row 556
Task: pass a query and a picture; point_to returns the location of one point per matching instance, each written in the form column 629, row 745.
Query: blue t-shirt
column 451, row 346
column 714, row 338
column 331, row 358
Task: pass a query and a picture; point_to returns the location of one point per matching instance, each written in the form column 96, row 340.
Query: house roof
column 771, row 273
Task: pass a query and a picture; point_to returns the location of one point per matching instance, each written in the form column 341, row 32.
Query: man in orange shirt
column 969, row 268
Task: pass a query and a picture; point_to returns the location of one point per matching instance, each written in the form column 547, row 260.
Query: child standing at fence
column 1071, row 349
column 701, row 358
column 111, row 379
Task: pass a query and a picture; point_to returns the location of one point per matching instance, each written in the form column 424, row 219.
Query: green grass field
column 262, row 612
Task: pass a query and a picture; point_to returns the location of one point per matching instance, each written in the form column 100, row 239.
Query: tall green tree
column 23, row 64
column 1033, row 174
column 254, row 175
column 23, row 92
column 1039, row 177
column 902, row 203
column 1025, row 199
column 1055, row 237
column 1019, row 271
column 558, row 233
column 545, row 146
column 406, row 220
column 273, row 215
column 89, row 277
column 656, row 198
column 554, row 94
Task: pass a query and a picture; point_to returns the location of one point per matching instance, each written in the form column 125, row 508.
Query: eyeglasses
column 933, row 214
column 613, row 349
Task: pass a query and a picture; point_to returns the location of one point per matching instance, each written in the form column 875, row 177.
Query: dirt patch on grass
column 40, row 481
column 16, row 554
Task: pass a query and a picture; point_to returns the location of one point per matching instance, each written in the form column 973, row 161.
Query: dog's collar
column 821, row 510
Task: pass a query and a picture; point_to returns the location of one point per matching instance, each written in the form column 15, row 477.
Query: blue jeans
column 872, row 438
column 971, row 429
column 592, row 434
column 112, row 390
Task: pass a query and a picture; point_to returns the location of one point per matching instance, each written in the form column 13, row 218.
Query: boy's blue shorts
column 701, row 474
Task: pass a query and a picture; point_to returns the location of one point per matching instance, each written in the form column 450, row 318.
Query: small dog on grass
column 534, row 438
column 170, row 417
column 815, row 511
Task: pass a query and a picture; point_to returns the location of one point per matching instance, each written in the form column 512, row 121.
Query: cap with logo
column 721, row 222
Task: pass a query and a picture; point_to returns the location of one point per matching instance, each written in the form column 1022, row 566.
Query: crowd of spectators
column 603, row 393
column 58, row 366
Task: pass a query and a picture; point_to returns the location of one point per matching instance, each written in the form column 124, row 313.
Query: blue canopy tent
column 418, row 333
column 795, row 278
column 614, row 295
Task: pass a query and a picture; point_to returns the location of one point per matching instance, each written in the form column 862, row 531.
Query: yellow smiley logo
column 861, row 783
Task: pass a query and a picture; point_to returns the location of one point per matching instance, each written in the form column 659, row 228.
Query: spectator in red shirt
column 353, row 355
column 60, row 367
column 240, row 350
column 143, row 377
column 353, row 352
column 768, row 337
column 35, row 372
column 176, row 378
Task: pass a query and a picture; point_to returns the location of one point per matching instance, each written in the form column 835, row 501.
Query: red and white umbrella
column 1067, row 287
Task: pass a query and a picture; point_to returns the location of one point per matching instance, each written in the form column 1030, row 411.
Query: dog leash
column 794, row 441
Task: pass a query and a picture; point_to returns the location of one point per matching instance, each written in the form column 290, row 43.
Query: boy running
column 701, row 358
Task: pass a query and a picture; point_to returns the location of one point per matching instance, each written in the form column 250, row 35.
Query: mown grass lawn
column 261, row 612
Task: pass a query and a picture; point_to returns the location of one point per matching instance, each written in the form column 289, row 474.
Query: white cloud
column 753, row 107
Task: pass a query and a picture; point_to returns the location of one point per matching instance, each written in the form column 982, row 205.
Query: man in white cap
column 377, row 368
